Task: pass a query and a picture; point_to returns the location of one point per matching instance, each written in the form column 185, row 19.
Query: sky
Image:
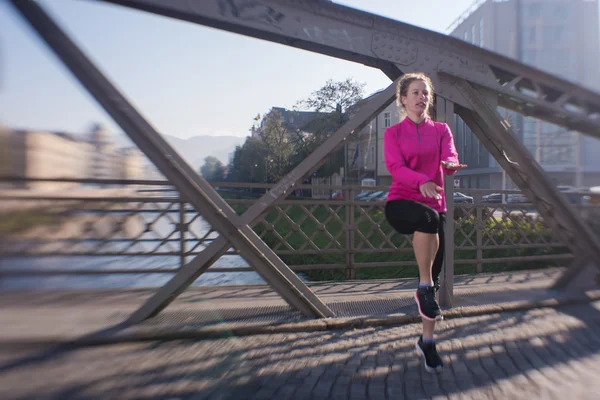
column 186, row 79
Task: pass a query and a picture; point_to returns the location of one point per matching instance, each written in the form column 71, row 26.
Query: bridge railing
column 343, row 237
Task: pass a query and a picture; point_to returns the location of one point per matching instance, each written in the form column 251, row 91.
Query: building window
column 465, row 133
column 473, row 34
column 561, row 12
column 371, row 154
column 559, row 33
column 553, row 34
column 466, row 37
column 387, row 119
column 529, row 34
column 530, row 57
column 533, row 10
column 481, row 32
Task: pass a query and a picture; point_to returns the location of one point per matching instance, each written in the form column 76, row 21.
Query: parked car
column 492, row 198
column 460, row 198
column 373, row 196
column 516, row 198
column 381, row 197
column 361, row 196
column 337, row 195
column 571, row 197
column 594, row 196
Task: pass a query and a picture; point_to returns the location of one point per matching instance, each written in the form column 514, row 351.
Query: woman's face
column 416, row 100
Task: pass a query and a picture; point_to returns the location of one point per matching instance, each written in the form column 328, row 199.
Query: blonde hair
column 402, row 90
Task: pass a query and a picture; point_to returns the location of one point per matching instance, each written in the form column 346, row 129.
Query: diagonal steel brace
column 193, row 187
column 190, row 272
column 524, row 170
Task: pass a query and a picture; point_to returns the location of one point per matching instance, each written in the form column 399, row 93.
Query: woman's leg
column 425, row 246
column 436, row 269
column 408, row 217
column 411, row 217
column 438, row 262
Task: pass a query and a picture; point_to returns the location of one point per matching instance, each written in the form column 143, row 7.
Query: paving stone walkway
column 539, row 354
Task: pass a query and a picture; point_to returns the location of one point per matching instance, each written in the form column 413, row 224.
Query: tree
column 281, row 138
column 213, row 169
column 335, row 100
column 335, row 97
column 279, row 146
column 248, row 162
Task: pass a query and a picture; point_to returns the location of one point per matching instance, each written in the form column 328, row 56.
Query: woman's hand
column 453, row 166
column 430, row 189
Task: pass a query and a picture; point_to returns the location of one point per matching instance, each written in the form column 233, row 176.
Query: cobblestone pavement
column 540, row 354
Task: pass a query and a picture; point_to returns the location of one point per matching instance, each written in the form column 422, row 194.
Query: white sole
column 437, row 318
column 427, row 367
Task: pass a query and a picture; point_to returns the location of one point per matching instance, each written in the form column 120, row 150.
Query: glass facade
column 545, row 30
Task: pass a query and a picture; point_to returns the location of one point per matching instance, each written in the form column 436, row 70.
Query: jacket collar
column 412, row 124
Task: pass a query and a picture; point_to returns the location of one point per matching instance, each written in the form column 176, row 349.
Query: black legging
column 408, row 217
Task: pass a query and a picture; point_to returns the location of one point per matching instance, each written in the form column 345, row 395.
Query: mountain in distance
column 195, row 149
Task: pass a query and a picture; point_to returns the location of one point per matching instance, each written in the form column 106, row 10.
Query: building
column 37, row 154
column 107, row 161
column 365, row 154
column 131, row 163
column 558, row 36
column 41, row 154
column 101, row 164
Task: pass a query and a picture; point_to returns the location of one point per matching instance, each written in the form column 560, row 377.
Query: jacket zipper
column 418, row 134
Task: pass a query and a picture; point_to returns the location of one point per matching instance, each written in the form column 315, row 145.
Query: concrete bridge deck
column 94, row 316
column 508, row 337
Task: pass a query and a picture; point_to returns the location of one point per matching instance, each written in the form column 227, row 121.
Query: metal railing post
column 350, row 270
column 182, row 236
column 446, row 296
column 444, row 110
column 479, row 225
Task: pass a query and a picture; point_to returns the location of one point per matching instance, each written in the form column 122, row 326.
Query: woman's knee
column 430, row 221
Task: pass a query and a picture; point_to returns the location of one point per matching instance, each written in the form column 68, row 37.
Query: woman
column 418, row 151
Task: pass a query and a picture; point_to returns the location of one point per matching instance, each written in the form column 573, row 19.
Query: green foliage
column 335, row 97
column 21, row 221
column 279, row 145
column 279, row 223
column 336, row 100
column 248, row 162
column 213, row 169
column 282, row 139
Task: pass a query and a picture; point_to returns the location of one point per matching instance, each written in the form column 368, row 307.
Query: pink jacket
column 413, row 154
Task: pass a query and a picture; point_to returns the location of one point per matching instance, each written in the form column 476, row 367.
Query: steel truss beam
column 383, row 43
column 392, row 46
column 199, row 193
column 564, row 221
column 357, row 36
column 219, row 246
column 191, row 186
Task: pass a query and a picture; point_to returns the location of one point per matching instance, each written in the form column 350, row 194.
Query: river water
column 162, row 226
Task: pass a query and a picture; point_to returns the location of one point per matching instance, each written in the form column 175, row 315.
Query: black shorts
column 408, row 217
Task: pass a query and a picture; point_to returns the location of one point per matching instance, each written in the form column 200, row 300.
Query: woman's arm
column 395, row 163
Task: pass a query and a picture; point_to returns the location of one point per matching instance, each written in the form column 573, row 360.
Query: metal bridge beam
column 190, row 185
column 343, row 32
column 558, row 214
column 389, row 45
column 218, row 247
